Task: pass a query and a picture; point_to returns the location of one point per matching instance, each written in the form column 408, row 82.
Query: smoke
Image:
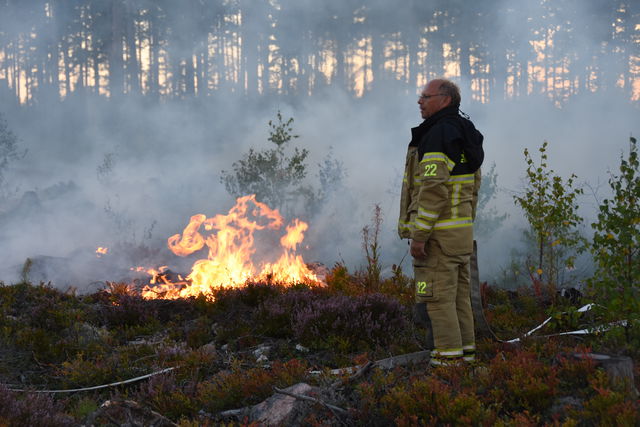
column 129, row 173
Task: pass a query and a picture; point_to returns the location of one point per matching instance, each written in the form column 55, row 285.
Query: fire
column 230, row 245
column 101, row 251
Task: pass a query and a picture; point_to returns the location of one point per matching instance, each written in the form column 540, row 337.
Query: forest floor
column 268, row 354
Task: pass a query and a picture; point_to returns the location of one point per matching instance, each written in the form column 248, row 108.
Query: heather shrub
column 41, row 306
column 53, row 314
column 169, row 396
column 198, row 332
column 195, row 365
column 399, row 285
column 239, row 312
column 275, row 316
column 339, row 281
column 520, row 381
column 123, row 310
column 240, row 386
column 346, row 323
column 574, row 373
column 120, row 364
column 83, row 407
column 47, row 323
column 365, row 321
column 40, row 342
column 31, row 409
column 251, row 295
column 512, row 313
column 431, row 401
column 609, row 407
column 391, row 398
column 522, row 419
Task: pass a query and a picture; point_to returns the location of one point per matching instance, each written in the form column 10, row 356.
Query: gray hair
column 449, row 88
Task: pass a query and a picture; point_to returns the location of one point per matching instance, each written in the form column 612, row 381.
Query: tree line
column 199, row 48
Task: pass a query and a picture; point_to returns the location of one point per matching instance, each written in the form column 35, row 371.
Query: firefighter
column 438, row 203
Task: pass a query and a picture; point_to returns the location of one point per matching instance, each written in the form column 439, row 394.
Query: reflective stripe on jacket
column 439, row 195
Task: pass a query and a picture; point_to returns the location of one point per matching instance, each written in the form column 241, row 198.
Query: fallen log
column 388, row 363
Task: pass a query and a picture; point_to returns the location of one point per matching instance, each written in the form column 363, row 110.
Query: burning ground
column 231, row 246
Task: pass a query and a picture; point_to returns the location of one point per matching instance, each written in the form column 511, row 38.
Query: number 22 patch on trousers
column 424, row 289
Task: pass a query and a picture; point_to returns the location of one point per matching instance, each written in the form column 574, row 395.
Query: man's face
column 431, row 100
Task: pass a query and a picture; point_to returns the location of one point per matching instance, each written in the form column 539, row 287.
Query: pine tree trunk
column 116, row 64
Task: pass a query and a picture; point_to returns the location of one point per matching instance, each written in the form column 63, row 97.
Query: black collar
column 418, row 132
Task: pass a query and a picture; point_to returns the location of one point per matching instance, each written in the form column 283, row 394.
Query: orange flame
column 230, row 246
column 101, row 251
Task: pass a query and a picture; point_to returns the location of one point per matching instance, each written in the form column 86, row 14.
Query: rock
column 302, row 348
column 281, row 409
column 209, row 349
column 263, row 350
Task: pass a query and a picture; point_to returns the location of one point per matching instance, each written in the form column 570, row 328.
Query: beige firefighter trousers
column 443, row 282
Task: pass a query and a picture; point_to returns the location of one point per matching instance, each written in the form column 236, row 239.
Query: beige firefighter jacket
column 439, row 192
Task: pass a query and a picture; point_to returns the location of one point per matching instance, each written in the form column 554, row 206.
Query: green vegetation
column 550, row 205
column 615, row 285
column 487, row 219
column 277, row 175
column 551, row 209
column 272, row 175
column 9, row 152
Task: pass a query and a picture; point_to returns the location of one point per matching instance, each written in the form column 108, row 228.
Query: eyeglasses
column 425, row 97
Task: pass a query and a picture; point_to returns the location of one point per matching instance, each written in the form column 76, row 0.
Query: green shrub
column 609, row 407
column 550, row 207
column 520, row 381
column 615, row 286
column 420, row 400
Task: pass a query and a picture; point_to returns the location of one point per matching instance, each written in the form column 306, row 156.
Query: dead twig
column 359, row 373
column 229, row 413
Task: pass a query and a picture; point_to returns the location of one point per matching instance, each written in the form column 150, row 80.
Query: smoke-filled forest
column 209, row 48
column 199, row 204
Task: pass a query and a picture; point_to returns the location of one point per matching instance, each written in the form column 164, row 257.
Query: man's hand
column 417, row 249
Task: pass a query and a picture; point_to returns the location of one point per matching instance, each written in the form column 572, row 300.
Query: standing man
column 437, row 208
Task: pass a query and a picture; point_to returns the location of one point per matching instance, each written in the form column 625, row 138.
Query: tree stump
column 618, row 368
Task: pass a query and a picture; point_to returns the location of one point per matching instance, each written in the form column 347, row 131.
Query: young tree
column 615, row 287
column 331, row 175
column 8, row 152
column 550, row 207
column 487, row 219
column 277, row 175
column 273, row 176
